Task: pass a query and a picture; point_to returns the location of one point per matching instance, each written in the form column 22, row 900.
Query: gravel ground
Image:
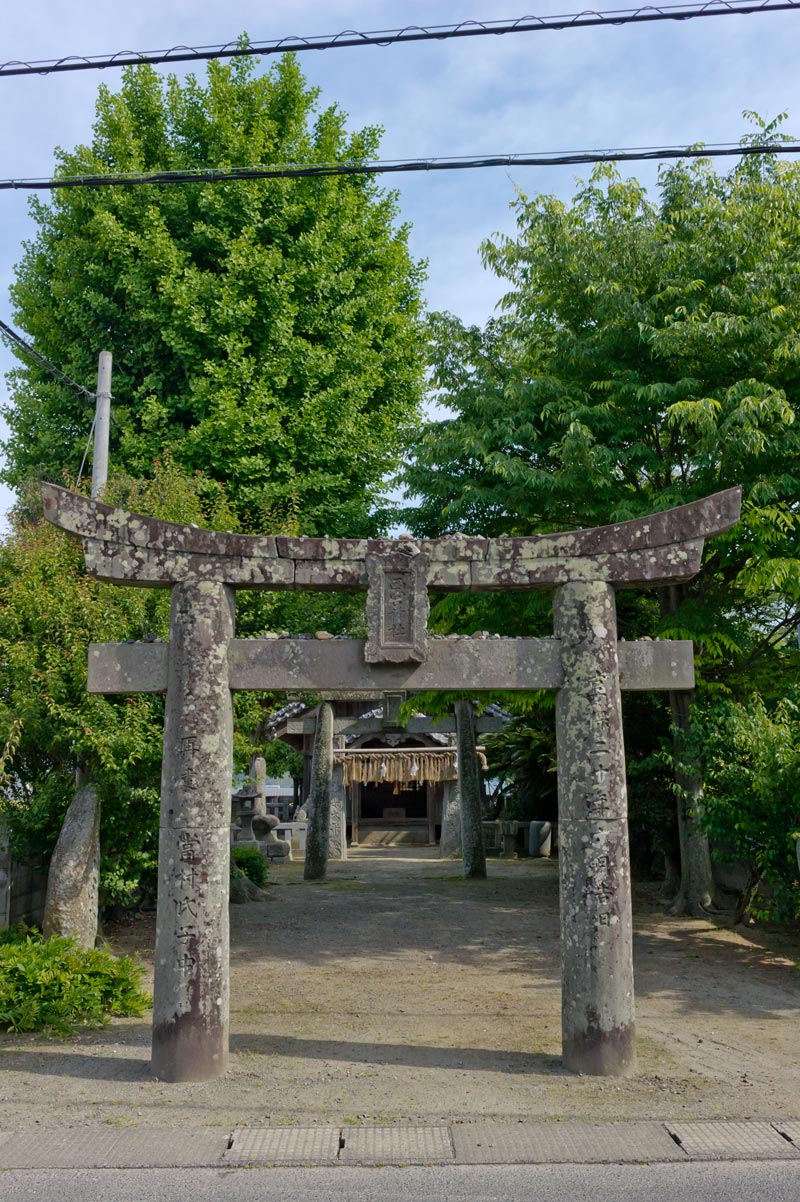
column 397, row 992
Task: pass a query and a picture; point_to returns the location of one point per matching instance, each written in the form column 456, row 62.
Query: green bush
column 17, row 933
column 250, row 860
column 54, row 986
column 750, row 754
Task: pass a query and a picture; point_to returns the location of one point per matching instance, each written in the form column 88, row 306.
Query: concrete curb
column 467, row 1144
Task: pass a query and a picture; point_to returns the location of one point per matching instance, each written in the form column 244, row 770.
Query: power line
column 393, row 37
column 227, row 175
column 16, row 340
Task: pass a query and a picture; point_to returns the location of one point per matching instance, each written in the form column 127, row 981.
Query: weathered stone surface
column 450, row 840
column 446, row 577
column 121, row 546
column 246, row 819
column 397, row 608
column 318, row 838
column 663, row 664
column 128, row 668
column 337, row 667
column 278, row 850
column 272, row 848
column 74, row 876
column 454, row 548
column 191, row 998
column 337, row 827
column 319, row 575
column 627, row 569
column 106, row 523
column 699, row 519
column 596, row 948
column 321, row 549
column 469, row 788
column 264, row 824
column 149, row 568
column 260, row 773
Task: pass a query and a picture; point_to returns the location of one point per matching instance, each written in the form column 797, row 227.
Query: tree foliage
column 522, row 757
column 646, row 354
column 751, row 758
column 50, row 611
column 264, row 332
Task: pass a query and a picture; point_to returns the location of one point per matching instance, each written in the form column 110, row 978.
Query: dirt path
column 398, row 992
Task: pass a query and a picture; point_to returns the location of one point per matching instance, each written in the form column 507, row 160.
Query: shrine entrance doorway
column 385, row 813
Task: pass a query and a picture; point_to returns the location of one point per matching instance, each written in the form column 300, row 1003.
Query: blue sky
column 609, row 87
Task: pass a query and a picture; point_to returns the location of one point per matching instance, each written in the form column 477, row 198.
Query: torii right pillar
column 598, row 1027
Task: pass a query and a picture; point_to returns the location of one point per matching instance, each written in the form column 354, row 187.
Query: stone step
column 394, row 836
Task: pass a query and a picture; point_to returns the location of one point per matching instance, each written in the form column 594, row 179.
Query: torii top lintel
column 129, row 548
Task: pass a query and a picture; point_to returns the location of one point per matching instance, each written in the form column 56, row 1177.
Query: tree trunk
column 316, row 865
column 742, row 915
column 696, row 891
column 73, row 878
column 672, row 876
column 469, row 787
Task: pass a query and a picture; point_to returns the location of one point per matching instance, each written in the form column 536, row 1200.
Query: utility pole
column 102, row 424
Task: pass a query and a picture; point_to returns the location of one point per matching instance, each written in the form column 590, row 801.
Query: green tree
column 646, row 354
column 751, row 759
column 264, row 332
column 50, row 610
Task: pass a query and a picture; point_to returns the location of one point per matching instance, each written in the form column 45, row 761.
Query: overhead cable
column 394, row 37
column 227, row 175
column 16, row 340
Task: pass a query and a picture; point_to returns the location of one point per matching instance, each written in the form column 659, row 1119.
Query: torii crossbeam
column 204, row 662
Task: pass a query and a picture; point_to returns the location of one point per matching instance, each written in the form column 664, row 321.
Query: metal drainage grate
column 283, row 1145
column 732, row 1140
column 396, row 1145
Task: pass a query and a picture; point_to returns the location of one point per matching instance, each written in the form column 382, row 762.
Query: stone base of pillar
column 182, row 1052
column 601, row 1053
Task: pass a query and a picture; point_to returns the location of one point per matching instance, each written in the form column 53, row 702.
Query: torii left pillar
column 191, row 994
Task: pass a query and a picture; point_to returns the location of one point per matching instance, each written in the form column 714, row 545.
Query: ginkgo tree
column 265, row 332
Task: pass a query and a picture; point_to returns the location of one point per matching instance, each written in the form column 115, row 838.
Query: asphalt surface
column 745, row 1181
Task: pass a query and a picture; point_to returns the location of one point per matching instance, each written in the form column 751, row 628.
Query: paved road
column 743, row 1181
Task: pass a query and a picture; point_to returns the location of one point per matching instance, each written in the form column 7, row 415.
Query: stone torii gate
column 203, row 662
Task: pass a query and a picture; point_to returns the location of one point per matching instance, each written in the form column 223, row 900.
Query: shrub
column 17, row 932
column 54, row 986
column 750, row 752
column 250, row 860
